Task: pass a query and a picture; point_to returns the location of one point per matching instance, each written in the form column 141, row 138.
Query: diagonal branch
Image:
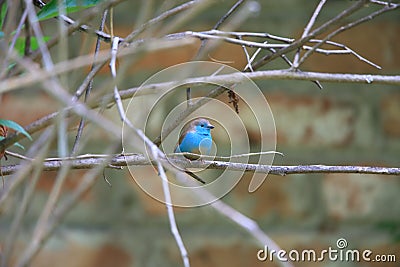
column 307, row 30
column 160, row 18
column 155, row 155
column 89, row 87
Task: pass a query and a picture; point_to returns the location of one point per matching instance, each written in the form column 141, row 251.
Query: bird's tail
column 195, row 177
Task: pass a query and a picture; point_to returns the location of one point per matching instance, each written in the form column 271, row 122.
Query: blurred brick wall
column 341, row 124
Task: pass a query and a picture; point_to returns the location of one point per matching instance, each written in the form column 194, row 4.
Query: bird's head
column 202, row 126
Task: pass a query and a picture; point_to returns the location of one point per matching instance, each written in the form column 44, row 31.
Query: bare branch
column 384, row 3
column 89, row 86
column 298, row 43
column 161, row 17
column 219, row 35
column 201, row 51
column 91, row 161
column 307, row 30
column 346, row 27
column 344, row 50
column 170, row 209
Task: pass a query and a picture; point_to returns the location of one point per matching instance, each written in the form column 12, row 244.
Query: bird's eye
column 202, row 125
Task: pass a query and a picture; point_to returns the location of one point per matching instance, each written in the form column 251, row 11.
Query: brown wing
column 187, row 128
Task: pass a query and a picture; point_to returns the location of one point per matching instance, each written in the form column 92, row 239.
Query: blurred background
column 342, row 124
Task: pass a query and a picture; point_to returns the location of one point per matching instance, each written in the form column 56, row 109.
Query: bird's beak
column 210, row 126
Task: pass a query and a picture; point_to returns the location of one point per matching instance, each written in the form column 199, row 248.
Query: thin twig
column 266, row 45
column 13, row 41
column 18, row 30
column 205, row 35
column 170, row 209
column 346, row 27
column 244, row 34
column 89, row 86
column 219, row 23
column 203, row 43
column 228, row 14
column 89, row 77
column 255, row 54
column 384, row 3
column 27, row 49
column 251, row 226
column 39, row 3
column 284, row 57
column 300, row 42
column 344, row 50
column 307, row 30
column 43, row 48
column 248, row 58
column 160, row 18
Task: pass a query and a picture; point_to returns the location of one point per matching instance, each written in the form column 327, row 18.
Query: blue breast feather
column 192, row 141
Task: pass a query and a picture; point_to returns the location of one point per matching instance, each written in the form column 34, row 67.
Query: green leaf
column 15, row 126
column 50, row 10
column 20, row 44
column 11, row 65
column 19, row 145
